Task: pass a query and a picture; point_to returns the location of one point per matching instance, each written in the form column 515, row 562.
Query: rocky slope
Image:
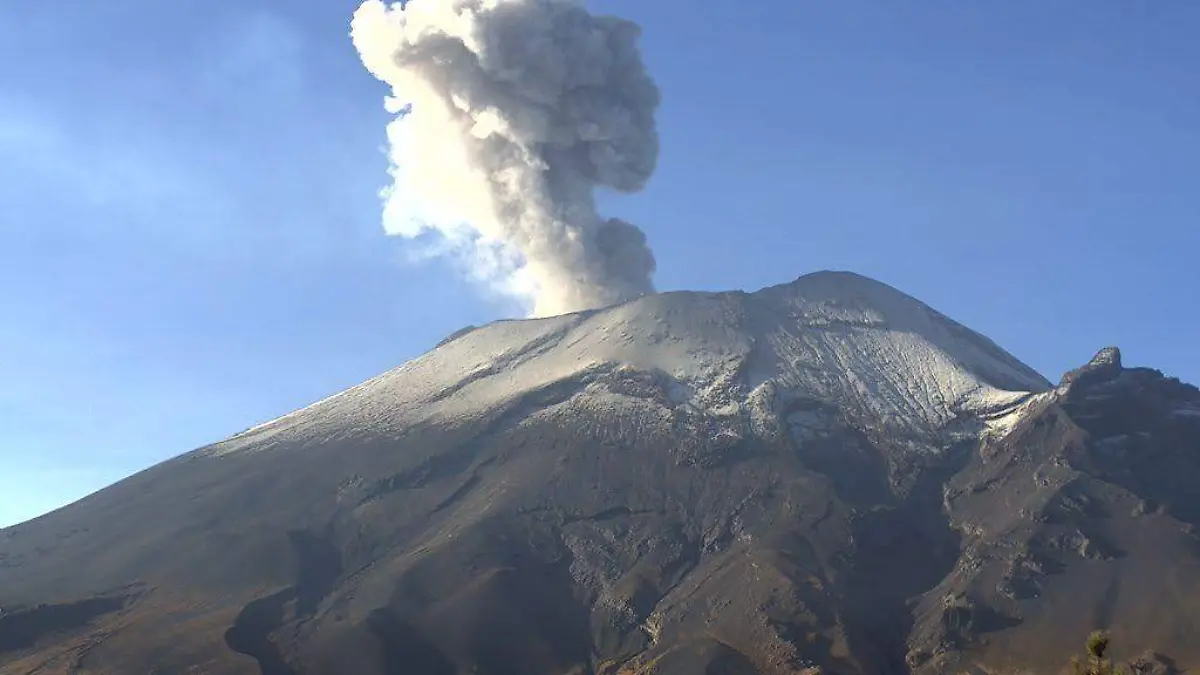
column 822, row 475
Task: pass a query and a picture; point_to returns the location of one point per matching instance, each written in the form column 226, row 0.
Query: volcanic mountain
column 823, row 476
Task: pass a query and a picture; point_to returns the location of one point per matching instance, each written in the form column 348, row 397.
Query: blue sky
column 189, row 222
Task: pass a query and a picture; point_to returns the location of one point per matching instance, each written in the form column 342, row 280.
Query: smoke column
column 510, row 113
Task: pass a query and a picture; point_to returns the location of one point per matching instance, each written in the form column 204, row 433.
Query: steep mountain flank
column 826, row 475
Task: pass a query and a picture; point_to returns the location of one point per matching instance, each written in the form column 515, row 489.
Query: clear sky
column 189, row 223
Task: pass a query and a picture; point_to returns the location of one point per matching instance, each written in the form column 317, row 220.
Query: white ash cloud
column 510, row 113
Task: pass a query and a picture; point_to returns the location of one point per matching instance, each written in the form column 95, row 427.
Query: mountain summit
column 823, row 476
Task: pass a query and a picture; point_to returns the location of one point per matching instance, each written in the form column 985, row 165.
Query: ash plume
column 510, row 113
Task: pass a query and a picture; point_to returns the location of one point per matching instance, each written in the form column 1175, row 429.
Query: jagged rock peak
column 1105, row 365
column 1109, row 357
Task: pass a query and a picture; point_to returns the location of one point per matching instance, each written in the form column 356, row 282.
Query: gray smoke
column 510, row 113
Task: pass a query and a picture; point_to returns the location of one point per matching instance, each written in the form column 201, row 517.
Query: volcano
column 822, row 476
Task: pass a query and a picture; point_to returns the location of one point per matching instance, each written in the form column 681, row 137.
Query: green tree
column 1098, row 661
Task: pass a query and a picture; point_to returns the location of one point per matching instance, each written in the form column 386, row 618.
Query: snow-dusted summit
column 835, row 337
column 825, row 474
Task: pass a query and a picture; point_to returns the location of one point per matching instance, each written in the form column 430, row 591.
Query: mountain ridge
column 821, row 474
column 721, row 312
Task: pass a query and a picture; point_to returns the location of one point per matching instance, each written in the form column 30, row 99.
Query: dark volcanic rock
column 1081, row 518
column 826, row 477
column 1105, row 365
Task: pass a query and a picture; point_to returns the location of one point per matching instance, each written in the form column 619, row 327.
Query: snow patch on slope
column 834, row 337
column 861, row 344
column 1001, row 420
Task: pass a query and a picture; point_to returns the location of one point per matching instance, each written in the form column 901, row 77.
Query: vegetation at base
column 1096, row 660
